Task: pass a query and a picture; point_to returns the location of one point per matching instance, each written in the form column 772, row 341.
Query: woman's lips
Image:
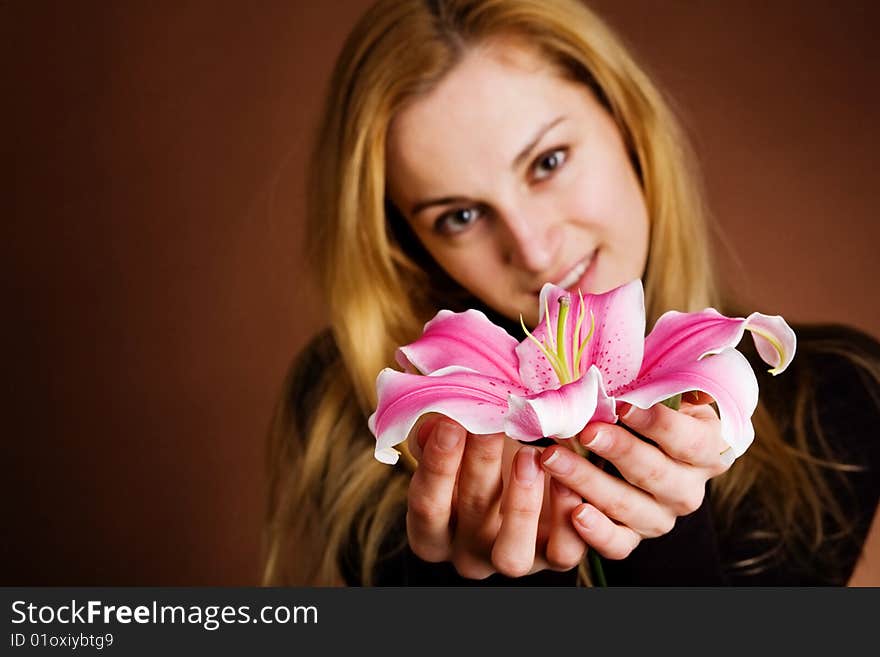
column 579, row 276
column 586, row 283
column 574, row 274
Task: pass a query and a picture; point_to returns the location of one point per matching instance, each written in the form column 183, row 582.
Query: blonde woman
column 471, row 151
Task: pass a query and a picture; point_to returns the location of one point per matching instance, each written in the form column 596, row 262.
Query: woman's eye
column 549, row 162
column 456, row 221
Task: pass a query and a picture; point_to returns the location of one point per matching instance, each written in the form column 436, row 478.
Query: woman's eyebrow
column 446, row 200
column 523, row 154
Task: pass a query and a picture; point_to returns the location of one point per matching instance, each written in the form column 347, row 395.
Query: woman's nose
column 530, row 241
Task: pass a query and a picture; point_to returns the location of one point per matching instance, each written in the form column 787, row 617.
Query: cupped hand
column 661, row 481
column 483, row 503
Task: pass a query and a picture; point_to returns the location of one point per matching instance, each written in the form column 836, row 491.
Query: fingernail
column 424, row 432
column 527, row 467
column 448, row 436
column 633, row 413
column 586, row 517
column 554, row 462
column 728, row 457
column 600, row 442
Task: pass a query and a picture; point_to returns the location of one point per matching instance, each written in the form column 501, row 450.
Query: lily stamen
column 580, row 352
column 565, row 364
column 549, row 355
column 564, row 305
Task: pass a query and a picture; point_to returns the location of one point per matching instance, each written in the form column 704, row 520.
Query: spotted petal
column 474, row 400
column 615, row 347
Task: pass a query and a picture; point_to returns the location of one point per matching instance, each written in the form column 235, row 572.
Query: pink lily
column 587, row 354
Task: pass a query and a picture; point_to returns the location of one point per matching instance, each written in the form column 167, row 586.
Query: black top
column 847, row 408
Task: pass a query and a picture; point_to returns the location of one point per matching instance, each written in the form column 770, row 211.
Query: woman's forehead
column 479, row 117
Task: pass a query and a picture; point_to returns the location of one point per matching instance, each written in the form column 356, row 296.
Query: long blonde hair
column 327, row 490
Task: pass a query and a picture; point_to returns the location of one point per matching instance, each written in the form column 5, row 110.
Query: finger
column 429, row 499
column 705, row 410
column 514, row 551
column 645, row 466
column 478, row 496
column 477, row 501
column 420, row 432
column 609, row 539
column 695, row 440
column 702, row 406
column 565, row 547
column 615, row 497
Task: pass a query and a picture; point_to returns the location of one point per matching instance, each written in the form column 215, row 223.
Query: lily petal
column 691, row 336
column 726, row 376
column 560, row 413
column 774, row 339
column 615, row 347
column 466, row 339
column 606, row 406
column 474, row 400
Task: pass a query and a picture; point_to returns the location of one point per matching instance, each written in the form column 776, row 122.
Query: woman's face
column 512, row 176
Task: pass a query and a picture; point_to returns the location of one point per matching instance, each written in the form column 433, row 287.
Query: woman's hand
column 662, row 481
column 484, row 503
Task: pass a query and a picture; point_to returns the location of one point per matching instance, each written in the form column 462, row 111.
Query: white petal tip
column 775, row 340
column 728, row 456
column 387, row 455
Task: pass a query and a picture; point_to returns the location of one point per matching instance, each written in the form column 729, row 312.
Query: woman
column 472, row 151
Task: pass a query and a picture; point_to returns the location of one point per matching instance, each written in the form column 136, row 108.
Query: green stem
column 596, row 571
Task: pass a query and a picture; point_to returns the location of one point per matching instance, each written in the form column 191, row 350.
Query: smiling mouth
column 574, row 275
column 576, row 272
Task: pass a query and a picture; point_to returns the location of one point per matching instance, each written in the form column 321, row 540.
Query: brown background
column 154, row 154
